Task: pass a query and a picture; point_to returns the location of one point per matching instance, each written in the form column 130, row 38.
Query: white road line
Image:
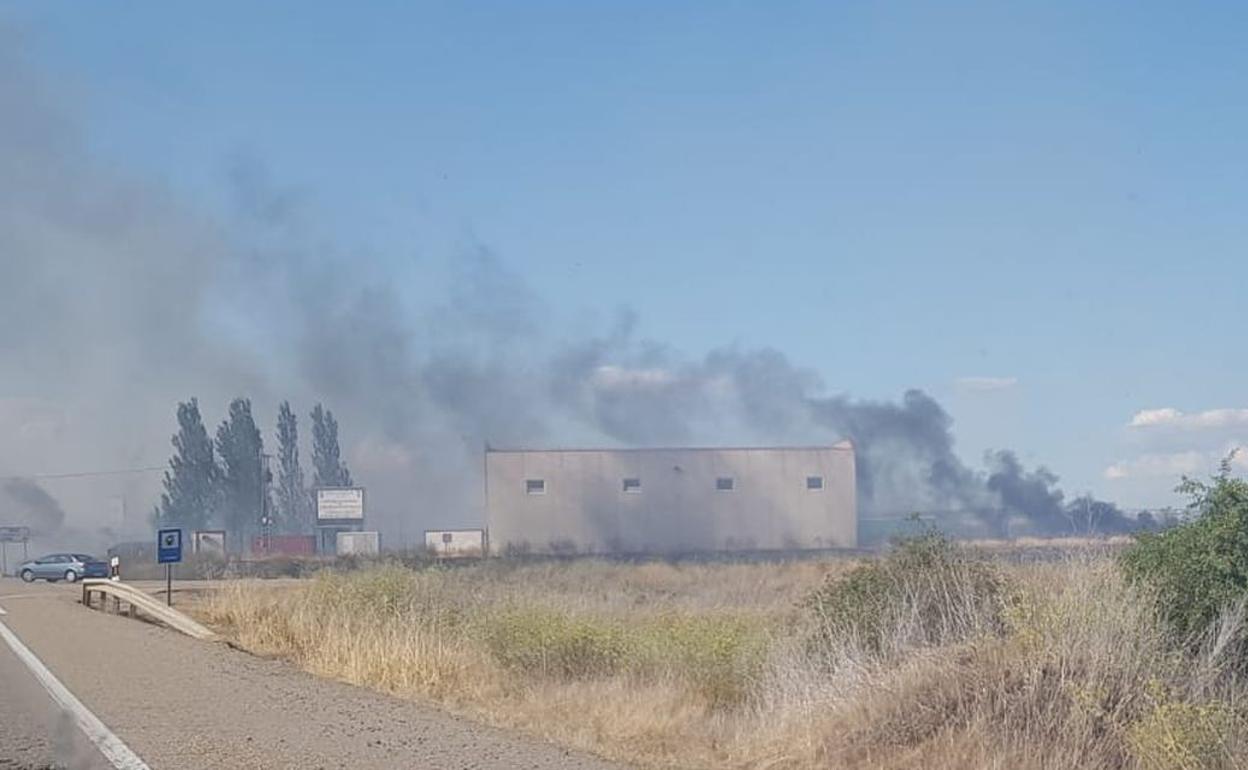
column 2, row 612
column 109, row 744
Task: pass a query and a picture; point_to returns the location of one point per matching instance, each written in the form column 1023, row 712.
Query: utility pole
column 266, row 521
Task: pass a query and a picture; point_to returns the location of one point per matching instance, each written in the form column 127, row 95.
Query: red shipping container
column 284, row 545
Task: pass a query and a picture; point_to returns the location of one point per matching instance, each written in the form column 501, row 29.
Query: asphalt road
column 173, row 702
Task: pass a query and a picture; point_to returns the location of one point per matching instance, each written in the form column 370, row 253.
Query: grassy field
column 936, row 656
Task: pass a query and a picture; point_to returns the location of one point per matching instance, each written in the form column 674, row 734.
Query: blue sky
column 1047, row 197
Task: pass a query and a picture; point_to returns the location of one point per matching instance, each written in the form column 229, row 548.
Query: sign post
column 12, row 535
column 338, row 509
column 168, row 553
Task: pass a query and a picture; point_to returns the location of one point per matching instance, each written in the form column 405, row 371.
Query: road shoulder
column 182, row 703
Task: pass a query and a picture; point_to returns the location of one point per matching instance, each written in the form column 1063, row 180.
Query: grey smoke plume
column 26, row 504
column 116, row 302
column 641, row 393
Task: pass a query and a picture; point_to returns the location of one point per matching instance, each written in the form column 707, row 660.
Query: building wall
column 584, row 507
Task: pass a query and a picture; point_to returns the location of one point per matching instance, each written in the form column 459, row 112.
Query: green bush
column 1184, row 735
column 926, row 591
column 720, row 656
column 1201, row 567
column 547, row 643
column 717, row 656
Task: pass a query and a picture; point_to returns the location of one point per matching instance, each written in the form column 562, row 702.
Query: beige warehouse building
column 670, row 500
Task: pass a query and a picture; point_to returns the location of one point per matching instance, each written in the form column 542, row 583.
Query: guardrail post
column 137, row 602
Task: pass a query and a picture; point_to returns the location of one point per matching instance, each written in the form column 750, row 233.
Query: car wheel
column 70, row 576
column 28, row 576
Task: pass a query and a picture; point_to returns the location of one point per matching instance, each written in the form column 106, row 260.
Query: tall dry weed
column 1059, row 664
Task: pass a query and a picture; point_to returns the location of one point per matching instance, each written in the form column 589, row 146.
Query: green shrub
column 926, row 591
column 1184, row 735
column 717, row 656
column 543, row 642
column 720, row 656
column 1201, row 567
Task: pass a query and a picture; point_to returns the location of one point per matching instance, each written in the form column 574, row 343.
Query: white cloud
column 620, row 378
column 1172, row 465
column 1168, row 417
column 1148, row 417
column 1151, row 466
column 986, row 384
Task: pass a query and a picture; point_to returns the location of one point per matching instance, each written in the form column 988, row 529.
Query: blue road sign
column 168, row 546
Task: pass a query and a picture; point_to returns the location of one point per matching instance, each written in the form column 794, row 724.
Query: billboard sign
column 340, row 504
column 209, row 542
column 168, row 546
column 455, row 542
column 358, row 543
column 14, row 534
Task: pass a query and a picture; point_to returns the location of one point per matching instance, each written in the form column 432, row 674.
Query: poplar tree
column 244, row 483
column 192, row 484
column 292, row 498
column 327, row 465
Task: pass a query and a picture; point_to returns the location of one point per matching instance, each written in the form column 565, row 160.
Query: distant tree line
column 228, row 483
column 1089, row 516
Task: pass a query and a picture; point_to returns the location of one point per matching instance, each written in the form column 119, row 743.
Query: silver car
column 69, row 567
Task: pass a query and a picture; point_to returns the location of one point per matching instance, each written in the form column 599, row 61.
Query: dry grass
column 726, row 665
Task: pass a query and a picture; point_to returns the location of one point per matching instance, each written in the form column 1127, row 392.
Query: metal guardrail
column 143, row 602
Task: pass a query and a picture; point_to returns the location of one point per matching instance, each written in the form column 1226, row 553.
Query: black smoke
column 118, row 301
column 26, row 504
column 640, row 393
column 1031, row 501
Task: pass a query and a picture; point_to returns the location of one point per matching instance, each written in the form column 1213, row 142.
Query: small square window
column 535, row 486
column 814, row 483
column 725, row 483
column 632, row 485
